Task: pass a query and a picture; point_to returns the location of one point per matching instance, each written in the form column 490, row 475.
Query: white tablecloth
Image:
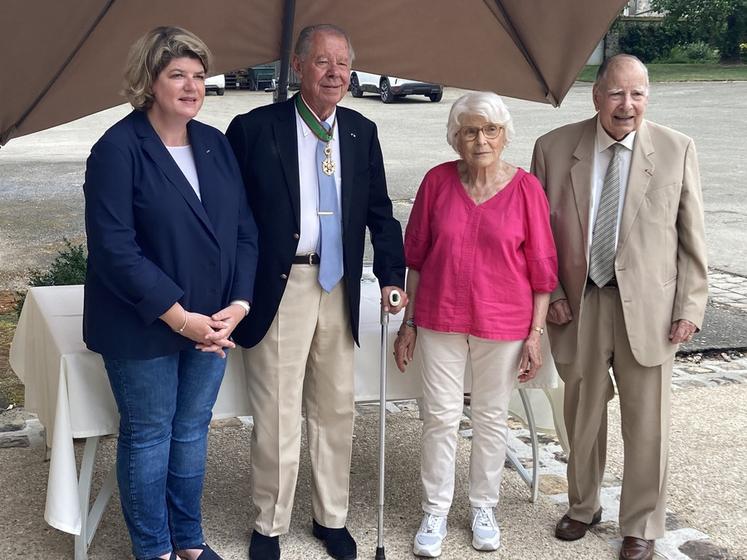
column 67, row 386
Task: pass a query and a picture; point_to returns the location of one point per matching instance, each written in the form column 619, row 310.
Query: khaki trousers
column 644, row 407
column 306, row 358
column 495, row 368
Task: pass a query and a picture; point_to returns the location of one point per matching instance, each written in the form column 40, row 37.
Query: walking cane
column 394, row 299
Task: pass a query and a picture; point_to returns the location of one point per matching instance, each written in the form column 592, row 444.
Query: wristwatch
column 540, row 330
column 411, row 322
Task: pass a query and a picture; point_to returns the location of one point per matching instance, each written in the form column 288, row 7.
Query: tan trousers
column 644, row 407
column 306, row 358
column 495, row 364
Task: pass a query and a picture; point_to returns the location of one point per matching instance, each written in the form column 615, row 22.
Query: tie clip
column 324, row 213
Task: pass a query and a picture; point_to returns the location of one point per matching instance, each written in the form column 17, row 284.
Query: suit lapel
column 641, row 171
column 581, row 175
column 161, row 157
column 347, row 158
column 210, row 189
column 286, row 143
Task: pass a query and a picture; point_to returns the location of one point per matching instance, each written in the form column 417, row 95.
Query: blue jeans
column 165, row 406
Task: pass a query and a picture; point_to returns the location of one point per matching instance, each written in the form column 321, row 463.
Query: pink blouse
column 479, row 264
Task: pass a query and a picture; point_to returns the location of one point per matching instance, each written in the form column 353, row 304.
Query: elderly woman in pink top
column 482, row 264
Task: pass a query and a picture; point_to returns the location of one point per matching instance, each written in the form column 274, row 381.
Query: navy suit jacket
column 152, row 242
column 265, row 143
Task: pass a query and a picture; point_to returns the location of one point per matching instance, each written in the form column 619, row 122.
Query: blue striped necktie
column 330, row 227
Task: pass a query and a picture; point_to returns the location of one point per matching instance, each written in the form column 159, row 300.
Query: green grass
column 683, row 73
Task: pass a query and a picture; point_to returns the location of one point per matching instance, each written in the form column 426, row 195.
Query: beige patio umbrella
column 63, row 60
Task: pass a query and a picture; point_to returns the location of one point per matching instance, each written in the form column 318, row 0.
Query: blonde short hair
column 478, row 103
column 152, row 53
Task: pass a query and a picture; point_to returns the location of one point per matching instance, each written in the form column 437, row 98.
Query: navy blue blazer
column 265, row 143
column 152, row 242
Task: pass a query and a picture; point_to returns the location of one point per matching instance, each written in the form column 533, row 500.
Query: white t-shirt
column 186, row 161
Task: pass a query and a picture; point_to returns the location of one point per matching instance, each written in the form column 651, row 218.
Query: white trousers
column 495, row 364
column 306, row 358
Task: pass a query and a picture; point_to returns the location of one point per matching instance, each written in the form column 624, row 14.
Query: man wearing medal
column 314, row 175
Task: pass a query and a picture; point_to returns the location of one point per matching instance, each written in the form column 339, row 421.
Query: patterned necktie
column 330, row 265
column 602, row 255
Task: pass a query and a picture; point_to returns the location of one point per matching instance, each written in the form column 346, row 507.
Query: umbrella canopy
column 64, row 60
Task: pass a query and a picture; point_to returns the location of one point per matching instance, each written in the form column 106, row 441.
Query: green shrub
column 649, row 40
column 67, row 268
column 700, row 52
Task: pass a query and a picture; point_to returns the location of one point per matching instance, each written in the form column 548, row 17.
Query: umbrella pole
column 394, row 300
column 289, row 12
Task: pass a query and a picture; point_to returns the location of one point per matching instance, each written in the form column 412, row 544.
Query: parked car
column 216, row 84
column 391, row 87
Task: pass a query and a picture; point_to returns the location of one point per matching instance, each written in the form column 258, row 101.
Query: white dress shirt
column 602, row 157
column 185, row 159
column 307, row 175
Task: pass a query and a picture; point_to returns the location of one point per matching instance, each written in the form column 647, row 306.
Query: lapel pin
column 353, row 135
column 207, row 151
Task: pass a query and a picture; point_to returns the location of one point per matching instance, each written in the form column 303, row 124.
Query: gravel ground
column 706, row 492
column 527, row 527
column 707, row 459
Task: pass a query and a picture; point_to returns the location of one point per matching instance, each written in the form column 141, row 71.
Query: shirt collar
column 604, row 140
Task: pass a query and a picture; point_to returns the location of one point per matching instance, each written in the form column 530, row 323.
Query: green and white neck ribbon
column 313, row 122
column 323, row 131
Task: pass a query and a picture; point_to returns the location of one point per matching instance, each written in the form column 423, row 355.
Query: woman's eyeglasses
column 490, row 131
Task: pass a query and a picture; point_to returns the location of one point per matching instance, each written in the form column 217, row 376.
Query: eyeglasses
column 489, row 130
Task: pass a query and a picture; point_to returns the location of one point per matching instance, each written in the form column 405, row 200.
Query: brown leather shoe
column 569, row 529
column 634, row 548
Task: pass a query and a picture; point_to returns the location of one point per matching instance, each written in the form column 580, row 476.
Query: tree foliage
column 721, row 23
column 649, row 41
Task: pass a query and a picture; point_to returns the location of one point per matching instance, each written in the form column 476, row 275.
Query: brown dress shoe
column 634, row 548
column 569, row 529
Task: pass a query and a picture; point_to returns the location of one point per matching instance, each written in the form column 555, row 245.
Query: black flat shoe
column 262, row 547
column 207, row 553
column 339, row 543
column 172, row 557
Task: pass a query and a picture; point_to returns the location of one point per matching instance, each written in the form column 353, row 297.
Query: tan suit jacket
column 660, row 264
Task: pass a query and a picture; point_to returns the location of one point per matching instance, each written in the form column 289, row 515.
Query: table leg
column 90, row 517
column 534, row 484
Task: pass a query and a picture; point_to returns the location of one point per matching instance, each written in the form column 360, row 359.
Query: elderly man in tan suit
column 627, row 215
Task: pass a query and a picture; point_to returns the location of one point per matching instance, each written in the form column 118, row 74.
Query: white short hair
column 478, row 103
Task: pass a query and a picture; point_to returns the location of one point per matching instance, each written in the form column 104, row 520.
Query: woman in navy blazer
column 172, row 252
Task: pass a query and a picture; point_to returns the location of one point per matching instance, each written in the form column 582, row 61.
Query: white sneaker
column 486, row 535
column 429, row 537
